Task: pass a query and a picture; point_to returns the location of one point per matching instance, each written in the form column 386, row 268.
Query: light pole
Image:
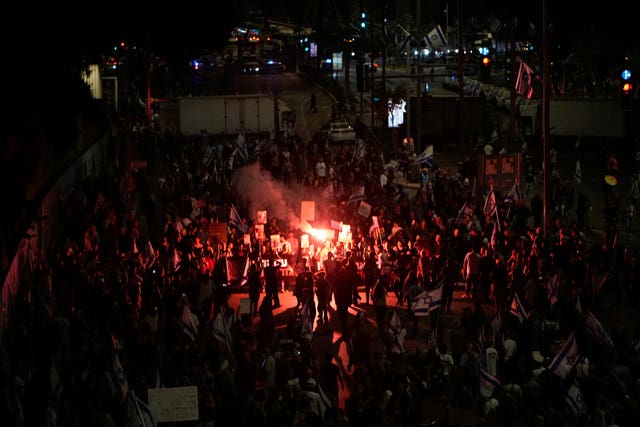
column 446, row 12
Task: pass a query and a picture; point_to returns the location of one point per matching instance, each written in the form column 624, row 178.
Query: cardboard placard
column 174, row 404
column 308, row 210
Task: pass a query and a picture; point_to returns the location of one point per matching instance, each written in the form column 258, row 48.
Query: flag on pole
column 514, row 194
column 397, row 333
column 517, row 309
column 149, row 255
column 436, row 38
column 524, row 80
column 494, row 236
column 595, row 328
column 188, row 320
column 566, row 358
column 307, row 318
column 426, row 157
column 578, row 172
column 487, row 383
column 359, row 152
column 574, row 399
column 490, row 205
column 119, row 377
column 141, row 412
column 464, row 210
column 551, row 288
column 357, row 195
column 221, row 331
column 235, row 220
column 427, row 301
column 402, row 37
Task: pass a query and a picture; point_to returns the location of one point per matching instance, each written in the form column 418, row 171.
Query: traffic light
column 363, row 20
column 626, row 95
column 485, row 69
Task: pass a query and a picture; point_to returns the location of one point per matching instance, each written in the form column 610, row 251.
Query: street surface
column 327, row 337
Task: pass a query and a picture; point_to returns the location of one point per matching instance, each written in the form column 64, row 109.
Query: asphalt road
column 327, row 336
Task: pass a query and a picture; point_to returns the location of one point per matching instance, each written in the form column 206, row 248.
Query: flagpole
column 545, row 117
column 460, row 78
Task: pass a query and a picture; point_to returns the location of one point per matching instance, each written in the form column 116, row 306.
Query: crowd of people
column 137, row 297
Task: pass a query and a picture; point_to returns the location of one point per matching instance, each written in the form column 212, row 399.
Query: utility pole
column 148, row 65
column 460, row 78
column 446, row 11
column 512, row 93
column 545, row 116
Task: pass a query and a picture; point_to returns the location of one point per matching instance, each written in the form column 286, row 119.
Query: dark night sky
column 190, row 25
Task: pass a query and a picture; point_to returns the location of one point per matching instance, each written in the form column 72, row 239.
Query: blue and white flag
column 119, row 377
column 595, row 328
column 357, row 195
column 175, row 261
column 487, row 383
column 494, row 236
column 566, row 358
column 574, row 399
column 359, row 152
column 517, row 309
column 427, row 301
column 436, row 38
column 221, row 331
column 209, row 155
column 235, row 220
column 242, row 147
column 490, row 204
column 514, row 194
column 149, row 255
column 141, row 415
column 189, row 321
column 397, row 333
column 426, row 157
column 578, row 172
column 551, row 287
column 524, row 81
column 464, row 211
column 402, row 37
column 307, row 318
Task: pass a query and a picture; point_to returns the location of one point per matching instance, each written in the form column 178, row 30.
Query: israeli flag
column 595, row 328
column 427, row 301
column 487, row 383
column 574, row 399
column 436, row 38
column 566, row 358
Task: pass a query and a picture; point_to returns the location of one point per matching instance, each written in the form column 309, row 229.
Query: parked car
column 338, row 132
column 271, row 65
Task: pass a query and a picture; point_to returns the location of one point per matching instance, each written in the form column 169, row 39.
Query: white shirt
column 321, row 169
column 383, row 180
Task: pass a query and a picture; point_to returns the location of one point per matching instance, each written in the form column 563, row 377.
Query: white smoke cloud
column 256, row 188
